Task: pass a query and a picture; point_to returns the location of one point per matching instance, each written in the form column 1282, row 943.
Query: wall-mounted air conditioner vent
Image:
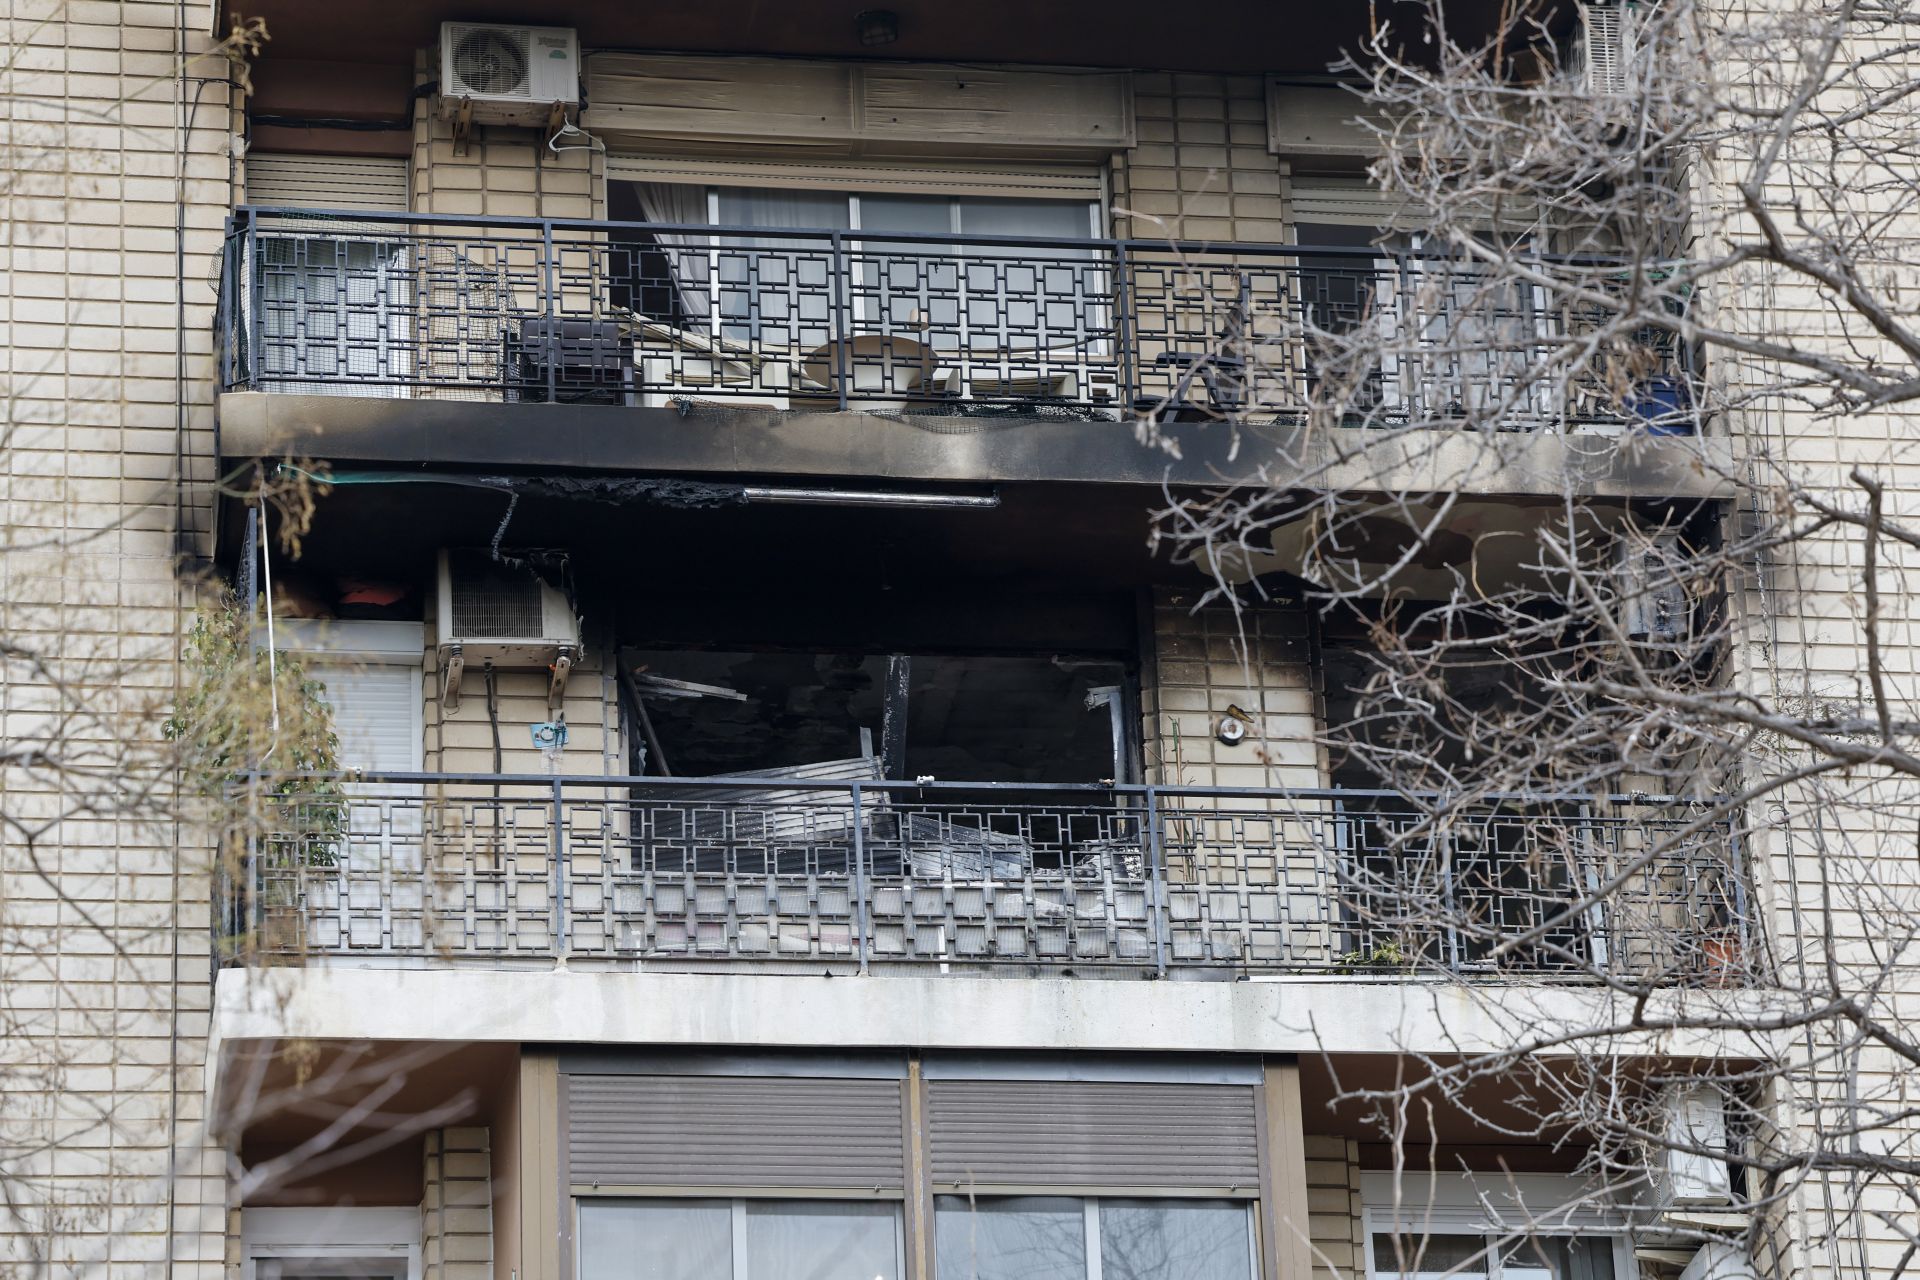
column 1653, row 602
column 491, row 74
column 1606, row 30
column 1687, row 1171
column 502, row 615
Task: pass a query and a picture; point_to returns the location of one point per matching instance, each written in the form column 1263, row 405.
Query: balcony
column 445, row 338
column 791, row 875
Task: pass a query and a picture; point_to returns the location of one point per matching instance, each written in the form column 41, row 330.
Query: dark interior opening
column 1034, row 718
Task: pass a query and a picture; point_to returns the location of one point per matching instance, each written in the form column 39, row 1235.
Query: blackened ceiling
column 1244, row 36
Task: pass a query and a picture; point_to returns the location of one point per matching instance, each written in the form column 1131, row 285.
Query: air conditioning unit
column 493, row 74
column 1652, row 591
column 1695, row 1116
column 501, row 615
column 1600, row 56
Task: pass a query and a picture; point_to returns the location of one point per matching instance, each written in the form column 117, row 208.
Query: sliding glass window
column 1062, row 1238
column 739, row 1240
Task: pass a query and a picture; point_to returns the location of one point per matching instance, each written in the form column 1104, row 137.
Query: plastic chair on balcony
column 883, row 371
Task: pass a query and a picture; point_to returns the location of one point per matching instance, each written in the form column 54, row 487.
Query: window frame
column 1097, row 219
column 311, row 1237
column 360, row 644
column 1090, row 1220
column 737, row 1210
column 1453, row 1204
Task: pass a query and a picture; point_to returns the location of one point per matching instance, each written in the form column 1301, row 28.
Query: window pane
column 797, row 1240
column 1559, row 1258
column 1173, row 1240
column 782, row 207
column 1017, row 1238
column 656, row 1240
column 910, row 214
column 1429, row 1257
column 987, row 216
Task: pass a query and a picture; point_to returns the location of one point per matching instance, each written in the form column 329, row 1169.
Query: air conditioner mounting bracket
column 557, row 683
column 453, row 663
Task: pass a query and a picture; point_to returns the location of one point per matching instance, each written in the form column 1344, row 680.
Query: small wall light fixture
column 877, row 26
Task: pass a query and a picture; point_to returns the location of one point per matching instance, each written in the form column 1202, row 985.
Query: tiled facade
column 120, row 176
column 112, row 206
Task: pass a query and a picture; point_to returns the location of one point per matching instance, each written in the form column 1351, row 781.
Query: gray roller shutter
column 734, row 1131
column 1072, row 1135
column 376, row 183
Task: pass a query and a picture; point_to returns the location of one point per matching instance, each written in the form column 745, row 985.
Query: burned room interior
column 1001, row 643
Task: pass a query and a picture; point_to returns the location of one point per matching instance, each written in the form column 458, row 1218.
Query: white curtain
column 781, row 290
column 677, row 203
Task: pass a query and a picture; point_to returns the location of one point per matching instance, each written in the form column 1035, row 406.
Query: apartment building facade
column 798, row 822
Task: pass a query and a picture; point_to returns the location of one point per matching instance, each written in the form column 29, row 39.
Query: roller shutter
column 1084, row 1135
column 735, row 1131
column 1057, row 181
column 1349, row 202
column 375, row 183
column 376, row 713
column 1356, row 202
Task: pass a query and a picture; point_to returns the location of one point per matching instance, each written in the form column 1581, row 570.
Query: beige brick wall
column 1201, row 170
column 461, row 740
column 504, row 172
column 456, row 1206
column 1209, row 658
column 1333, row 1207
column 103, row 947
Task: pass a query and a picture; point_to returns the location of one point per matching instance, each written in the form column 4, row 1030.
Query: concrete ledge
column 746, row 1010
column 906, row 448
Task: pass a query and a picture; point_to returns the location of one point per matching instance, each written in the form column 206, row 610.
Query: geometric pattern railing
column 528, row 309
column 421, row 869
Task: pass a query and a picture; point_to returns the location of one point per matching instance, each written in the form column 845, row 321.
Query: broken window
column 1042, row 718
column 1434, row 881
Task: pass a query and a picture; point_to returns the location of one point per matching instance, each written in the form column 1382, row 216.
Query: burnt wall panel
column 735, row 1131
column 1078, row 1134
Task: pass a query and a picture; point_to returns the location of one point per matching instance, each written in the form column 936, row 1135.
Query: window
column 371, row 672
column 739, row 1240
column 1002, row 317
column 333, row 306
column 1492, row 1256
column 1477, row 1229
column 330, row 1244
column 1067, row 1238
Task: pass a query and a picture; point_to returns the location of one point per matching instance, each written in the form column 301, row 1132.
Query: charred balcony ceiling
column 1245, row 36
column 1051, row 566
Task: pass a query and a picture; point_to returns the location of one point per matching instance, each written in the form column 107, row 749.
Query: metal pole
column 1124, row 328
column 559, row 872
column 842, row 285
column 1157, row 923
column 1593, row 841
column 861, row 914
column 248, row 900
column 552, row 310
column 223, row 308
column 256, row 294
column 1743, row 925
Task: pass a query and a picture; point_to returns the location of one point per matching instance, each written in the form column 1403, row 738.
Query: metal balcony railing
column 424, row 869
column 528, row 309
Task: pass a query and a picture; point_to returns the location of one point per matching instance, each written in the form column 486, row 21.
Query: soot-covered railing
column 423, row 869
column 545, row 310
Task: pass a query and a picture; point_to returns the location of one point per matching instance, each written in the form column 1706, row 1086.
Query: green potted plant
column 1386, row 956
column 257, row 744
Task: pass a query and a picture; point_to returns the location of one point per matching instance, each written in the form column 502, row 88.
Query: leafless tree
column 1715, row 232
column 122, row 720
